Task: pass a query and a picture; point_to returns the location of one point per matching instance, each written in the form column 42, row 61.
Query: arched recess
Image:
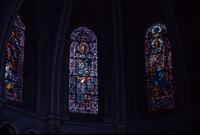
column 145, row 16
column 32, row 131
column 89, row 18
column 8, row 17
column 8, row 127
column 25, row 13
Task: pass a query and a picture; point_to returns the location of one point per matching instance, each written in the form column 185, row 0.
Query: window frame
column 65, row 69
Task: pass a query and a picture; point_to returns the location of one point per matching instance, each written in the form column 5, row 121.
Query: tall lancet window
column 83, row 73
column 158, row 65
column 15, row 62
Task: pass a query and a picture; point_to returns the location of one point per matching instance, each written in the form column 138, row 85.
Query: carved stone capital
column 121, row 128
column 53, row 126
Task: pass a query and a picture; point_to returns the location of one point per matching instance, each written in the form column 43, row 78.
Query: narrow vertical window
column 83, row 75
column 15, row 62
column 158, row 69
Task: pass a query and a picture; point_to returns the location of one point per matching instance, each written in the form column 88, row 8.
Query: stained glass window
column 83, row 75
column 158, row 69
column 15, row 62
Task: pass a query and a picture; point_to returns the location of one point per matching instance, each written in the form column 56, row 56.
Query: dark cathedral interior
column 99, row 66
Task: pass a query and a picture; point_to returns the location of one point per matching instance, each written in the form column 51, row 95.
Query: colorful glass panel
column 15, row 62
column 158, row 68
column 83, row 74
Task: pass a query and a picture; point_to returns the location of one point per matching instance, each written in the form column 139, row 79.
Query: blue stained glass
column 158, row 68
column 83, row 73
column 15, row 62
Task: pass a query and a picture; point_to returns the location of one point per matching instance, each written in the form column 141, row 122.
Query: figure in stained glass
column 83, row 75
column 158, row 68
column 15, row 62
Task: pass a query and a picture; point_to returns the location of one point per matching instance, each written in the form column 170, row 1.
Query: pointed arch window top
column 83, row 34
column 18, row 23
column 84, row 44
column 156, row 35
column 157, row 28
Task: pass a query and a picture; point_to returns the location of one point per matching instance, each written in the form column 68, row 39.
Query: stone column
column 120, row 88
column 106, row 81
column 57, row 59
column 38, row 45
column 182, row 89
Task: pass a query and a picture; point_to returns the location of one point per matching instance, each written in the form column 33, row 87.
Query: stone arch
column 8, row 127
column 32, row 131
